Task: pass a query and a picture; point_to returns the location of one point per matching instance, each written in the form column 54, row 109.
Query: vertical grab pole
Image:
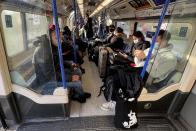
column 55, row 16
column 74, row 32
column 155, row 37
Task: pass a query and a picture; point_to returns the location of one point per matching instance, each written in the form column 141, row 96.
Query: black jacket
column 142, row 45
column 128, row 83
column 116, row 43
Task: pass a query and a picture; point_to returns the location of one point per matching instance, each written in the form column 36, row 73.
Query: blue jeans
column 49, row 87
column 76, row 86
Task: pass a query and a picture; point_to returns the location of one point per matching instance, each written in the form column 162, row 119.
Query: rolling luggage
column 103, row 61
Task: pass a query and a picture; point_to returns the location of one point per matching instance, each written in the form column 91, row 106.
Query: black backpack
column 107, row 89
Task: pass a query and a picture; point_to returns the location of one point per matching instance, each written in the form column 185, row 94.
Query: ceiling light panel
column 101, row 6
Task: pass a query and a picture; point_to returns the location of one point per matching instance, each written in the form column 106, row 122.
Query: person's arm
column 69, row 64
column 113, row 42
column 145, row 45
column 162, row 65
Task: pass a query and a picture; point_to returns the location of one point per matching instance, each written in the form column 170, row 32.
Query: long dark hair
column 139, row 34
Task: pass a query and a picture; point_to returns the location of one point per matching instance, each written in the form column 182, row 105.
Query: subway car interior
column 97, row 65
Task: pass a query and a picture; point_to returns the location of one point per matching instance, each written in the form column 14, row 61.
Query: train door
column 168, row 94
column 28, row 72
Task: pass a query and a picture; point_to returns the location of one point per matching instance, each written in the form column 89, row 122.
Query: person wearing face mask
column 110, row 34
column 139, row 43
column 162, row 62
column 158, row 68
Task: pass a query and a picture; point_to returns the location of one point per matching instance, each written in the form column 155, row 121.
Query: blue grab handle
column 55, row 16
column 155, row 37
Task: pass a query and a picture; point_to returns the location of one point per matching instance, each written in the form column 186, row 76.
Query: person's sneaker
column 108, row 106
column 87, row 95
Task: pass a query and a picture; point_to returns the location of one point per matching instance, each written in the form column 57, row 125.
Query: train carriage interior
column 52, row 51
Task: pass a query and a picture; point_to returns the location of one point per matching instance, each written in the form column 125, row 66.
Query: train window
column 148, row 28
column 12, row 25
column 125, row 26
column 28, row 51
column 174, row 57
column 34, row 23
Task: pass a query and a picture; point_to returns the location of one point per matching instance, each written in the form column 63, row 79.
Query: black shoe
column 87, row 95
column 79, row 99
column 82, row 70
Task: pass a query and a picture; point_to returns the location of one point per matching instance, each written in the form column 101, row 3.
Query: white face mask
column 156, row 46
column 135, row 41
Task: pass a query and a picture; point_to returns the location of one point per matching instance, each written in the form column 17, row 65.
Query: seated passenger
column 110, row 35
column 72, row 72
column 68, row 44
column 162, row 63
column 139, row 43
column 159, row 68
column 117, row 42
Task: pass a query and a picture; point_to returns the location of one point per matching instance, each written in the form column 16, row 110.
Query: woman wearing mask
column 139, row 43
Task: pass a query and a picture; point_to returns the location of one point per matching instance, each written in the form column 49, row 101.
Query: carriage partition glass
column 24, row 29
column 28, row 51
column 36, row 26
column 12, row 24
column 181, row 25
column 125, row 26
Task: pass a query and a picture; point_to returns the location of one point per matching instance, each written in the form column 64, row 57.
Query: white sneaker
column 108, row 106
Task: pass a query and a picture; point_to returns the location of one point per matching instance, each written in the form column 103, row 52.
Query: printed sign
column 36, row 19
column 183, row 31
column 8, row 21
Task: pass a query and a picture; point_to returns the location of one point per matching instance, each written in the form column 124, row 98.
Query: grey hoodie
column 161, row 64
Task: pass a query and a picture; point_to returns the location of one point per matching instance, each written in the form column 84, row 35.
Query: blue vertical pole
column 74, row 33
column 155, row 37
column 55, row 16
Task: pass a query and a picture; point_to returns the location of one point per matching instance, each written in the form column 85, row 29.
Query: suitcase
column 103, row 61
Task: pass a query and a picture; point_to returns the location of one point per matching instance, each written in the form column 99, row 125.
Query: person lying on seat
column 162, row 62
column 72, row 70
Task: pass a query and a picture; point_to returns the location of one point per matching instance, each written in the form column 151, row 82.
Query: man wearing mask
column 162, row 62
column 110, row 34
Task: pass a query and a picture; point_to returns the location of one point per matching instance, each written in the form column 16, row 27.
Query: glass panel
column 34, row 23
column 12, row 24
column 29, row 56
column 28, row 50
column 171, row 59
column 125, row 26
column 148, row 29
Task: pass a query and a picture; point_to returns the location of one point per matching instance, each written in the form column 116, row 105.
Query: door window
column 28, row 51
column 169, row 63
column 12, row 25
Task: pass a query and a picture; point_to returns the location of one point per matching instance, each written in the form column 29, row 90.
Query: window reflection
column 28, row 49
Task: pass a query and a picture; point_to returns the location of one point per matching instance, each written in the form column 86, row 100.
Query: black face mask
column 112, row 30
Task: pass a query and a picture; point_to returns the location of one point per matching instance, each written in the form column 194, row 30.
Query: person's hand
column 75, row 78
column 139, row 54
column 123, row 55
column 74, row 65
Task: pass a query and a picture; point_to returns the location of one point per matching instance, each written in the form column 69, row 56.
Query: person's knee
column 78, row 72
